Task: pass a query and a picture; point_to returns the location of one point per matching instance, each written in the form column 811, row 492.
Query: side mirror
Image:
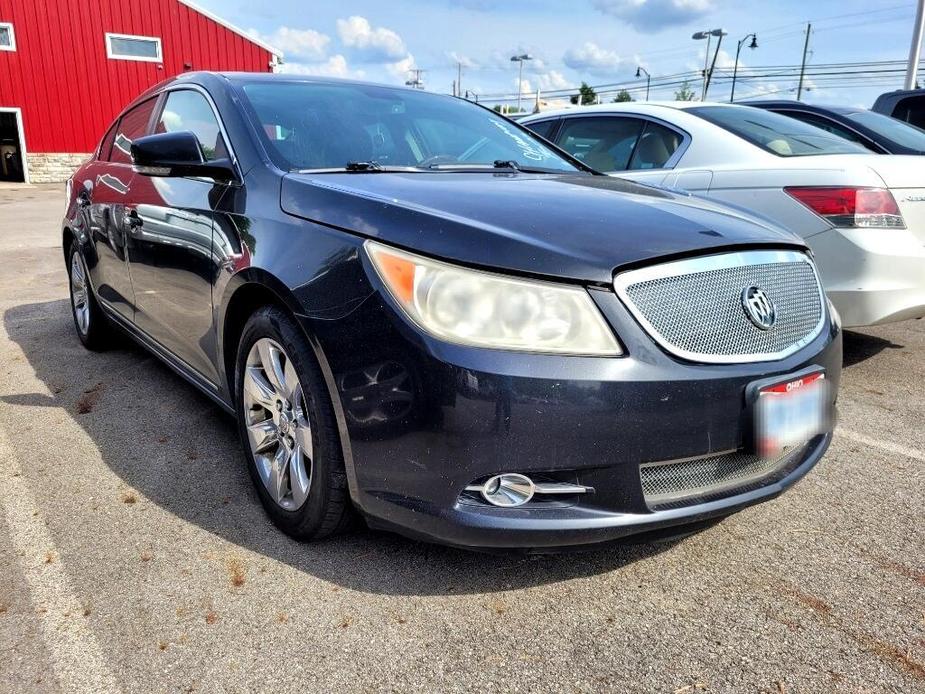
column 177, row 154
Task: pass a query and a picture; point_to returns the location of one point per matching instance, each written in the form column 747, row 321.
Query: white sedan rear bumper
column 872, row 276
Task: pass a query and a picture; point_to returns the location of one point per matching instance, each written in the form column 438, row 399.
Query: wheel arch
column 248, row 291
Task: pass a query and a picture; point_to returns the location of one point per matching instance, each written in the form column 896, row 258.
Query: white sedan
column 862, row 214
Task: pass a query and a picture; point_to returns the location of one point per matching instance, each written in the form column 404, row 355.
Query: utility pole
column 454, row 88
column 458, row 78
column 809, row 29
column 916, row 47
column 415, row 81
column 706, row 61
column 706, row 86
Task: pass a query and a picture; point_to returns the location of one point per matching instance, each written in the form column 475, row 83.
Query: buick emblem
column 759, row 308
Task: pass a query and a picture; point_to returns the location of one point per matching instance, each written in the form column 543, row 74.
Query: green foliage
column 685, row 93
column 622, row 96
column 588, row 95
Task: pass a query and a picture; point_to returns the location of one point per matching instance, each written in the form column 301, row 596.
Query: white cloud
column 306, row 44
column 463, row 60
column 402, row 68
column 335, row 66
column 655, row 15
column 373, row 44
column 553, row 80
column 591, row 58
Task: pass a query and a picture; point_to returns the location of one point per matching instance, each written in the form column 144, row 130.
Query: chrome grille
column 668, row 482
column 694, row 309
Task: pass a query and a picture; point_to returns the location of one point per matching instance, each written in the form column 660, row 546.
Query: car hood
column 570, row 226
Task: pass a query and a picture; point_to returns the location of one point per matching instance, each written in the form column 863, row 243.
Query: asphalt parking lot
column 134, row 554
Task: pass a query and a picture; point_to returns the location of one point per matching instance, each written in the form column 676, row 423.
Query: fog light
column 507, row 490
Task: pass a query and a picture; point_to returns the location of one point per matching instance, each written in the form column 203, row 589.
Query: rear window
column 777, row 134
column 890, row 128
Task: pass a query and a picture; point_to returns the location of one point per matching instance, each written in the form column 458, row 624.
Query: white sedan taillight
column 851, row 207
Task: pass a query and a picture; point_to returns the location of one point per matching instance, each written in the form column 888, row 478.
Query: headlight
column 483, row 309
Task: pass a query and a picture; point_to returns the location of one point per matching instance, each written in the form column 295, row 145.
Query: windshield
column 328, row 126
column 901, row 133
column 777, row 134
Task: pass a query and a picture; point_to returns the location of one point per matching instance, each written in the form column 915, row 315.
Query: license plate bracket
column 788, row 411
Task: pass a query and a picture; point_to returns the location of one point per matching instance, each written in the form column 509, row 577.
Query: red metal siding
column 67, row 88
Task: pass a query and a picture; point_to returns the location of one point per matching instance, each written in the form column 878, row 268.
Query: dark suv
column 418, row 310
column 905, row 104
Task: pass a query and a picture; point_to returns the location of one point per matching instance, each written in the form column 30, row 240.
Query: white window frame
column 24, row 160
column 117, row 56
column 12, row 46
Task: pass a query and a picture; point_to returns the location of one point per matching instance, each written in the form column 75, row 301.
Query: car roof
column 793, row 103
column 651, row 107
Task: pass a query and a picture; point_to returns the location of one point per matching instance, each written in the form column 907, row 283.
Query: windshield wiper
column 364, row 166
column 500, row 164
column 506, row 164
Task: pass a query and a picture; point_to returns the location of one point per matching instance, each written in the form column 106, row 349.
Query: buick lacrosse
column 420, row 312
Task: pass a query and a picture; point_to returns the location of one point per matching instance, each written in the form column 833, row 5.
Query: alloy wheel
column 80, row 294
column 276, row 420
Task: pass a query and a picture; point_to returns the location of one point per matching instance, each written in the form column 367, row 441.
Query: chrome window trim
column 159, row 111
column 672, row 160
column 622, row 281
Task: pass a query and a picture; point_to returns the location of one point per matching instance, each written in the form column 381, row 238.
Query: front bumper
column 422, row 419
column 872, row 276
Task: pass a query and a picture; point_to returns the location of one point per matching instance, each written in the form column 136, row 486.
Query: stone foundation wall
column 53, row 167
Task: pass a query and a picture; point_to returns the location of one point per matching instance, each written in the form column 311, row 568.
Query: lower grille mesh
column 664, row 483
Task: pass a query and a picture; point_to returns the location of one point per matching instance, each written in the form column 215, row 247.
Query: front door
column 171, row 249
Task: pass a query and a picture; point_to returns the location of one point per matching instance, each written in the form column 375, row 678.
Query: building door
column 11, row 156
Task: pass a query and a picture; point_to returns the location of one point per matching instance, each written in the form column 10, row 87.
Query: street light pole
column 520, row 74
column 735, row 70
column 916, row 47
column 640, row 69
column 707, row 69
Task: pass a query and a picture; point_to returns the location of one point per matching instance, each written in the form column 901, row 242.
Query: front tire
column 91, row 323
column 288, row 430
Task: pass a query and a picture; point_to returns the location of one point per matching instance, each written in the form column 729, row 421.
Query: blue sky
column 598, row 41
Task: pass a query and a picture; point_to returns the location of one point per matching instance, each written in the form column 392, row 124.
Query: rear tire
column 288, row 429
column 92, row 325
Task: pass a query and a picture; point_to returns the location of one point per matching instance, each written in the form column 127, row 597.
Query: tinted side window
column 543, row 128
column 912, row 110
column 106, row 143
column 189, row 110
column 605, row 144
column 655, row 147
column 826, row 124
column 132, row 125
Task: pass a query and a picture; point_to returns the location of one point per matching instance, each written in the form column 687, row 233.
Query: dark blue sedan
column 875, row 131
column 420, row 312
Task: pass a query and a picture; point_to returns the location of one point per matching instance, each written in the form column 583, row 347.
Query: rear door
column 106, row 194
column 171, row 248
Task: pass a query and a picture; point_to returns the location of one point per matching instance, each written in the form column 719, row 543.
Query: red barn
column 67, row 67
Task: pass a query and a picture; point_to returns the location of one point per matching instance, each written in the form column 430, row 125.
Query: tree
column 505, row 110
column 622, row 96
column 685, row 93
column 588, row 95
